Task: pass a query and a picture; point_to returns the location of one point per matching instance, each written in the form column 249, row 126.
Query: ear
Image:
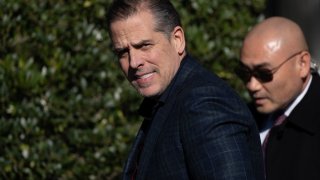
column 179, row 40
column 305, row 63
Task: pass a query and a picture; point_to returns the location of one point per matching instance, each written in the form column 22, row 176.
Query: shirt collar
column 148, row 107
column 298, row 99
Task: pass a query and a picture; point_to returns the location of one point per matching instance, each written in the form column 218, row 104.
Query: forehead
column 132, row 29
column 259, row 53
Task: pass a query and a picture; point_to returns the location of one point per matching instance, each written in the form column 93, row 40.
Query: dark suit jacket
column 198, row 129
column 293, row 150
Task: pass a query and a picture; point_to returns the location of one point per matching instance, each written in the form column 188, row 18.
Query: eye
column 265, row 75
column 145, row 46
column 263, row 71
column 121, row 53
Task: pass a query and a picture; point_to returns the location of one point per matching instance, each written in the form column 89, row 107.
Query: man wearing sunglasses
column 275, row 68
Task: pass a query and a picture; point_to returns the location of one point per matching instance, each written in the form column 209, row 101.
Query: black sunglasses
column 263, row 75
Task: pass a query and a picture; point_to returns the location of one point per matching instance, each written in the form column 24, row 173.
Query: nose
column 253, row 84
column 135, row 59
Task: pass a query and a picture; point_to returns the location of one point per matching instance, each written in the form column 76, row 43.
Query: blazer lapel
column 130, row 165
column 305, row 113
column 160, row 117
column 151, row 139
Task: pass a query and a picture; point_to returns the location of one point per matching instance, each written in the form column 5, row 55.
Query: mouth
column 259, row 100
column 145, row 79
column 144, row 76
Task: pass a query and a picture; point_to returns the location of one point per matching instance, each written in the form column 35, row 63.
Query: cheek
column 283, row 92
column 277, row 89
column 124, row 65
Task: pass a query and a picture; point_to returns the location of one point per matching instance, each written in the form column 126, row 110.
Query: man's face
column 148, row 59
column 286, row 83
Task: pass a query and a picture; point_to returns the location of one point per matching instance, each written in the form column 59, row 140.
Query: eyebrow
column 262, row 65
column 118, row 50
column 140, row 43
column 135, row 45
column 258, row 66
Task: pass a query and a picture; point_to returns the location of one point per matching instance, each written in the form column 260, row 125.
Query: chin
column 148, row 93
column 265, row 110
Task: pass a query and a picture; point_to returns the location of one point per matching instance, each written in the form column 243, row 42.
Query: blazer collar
column 306, row 114
column 166, row 101
column 149, row 105
column 186, row 66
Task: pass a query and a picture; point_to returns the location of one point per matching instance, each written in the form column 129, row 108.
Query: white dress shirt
column 266, row 126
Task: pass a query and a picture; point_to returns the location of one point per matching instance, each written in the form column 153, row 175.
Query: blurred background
column 66, row 111
column 306, row 13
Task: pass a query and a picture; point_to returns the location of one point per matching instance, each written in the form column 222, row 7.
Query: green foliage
column 215, row 30
column 66, row 111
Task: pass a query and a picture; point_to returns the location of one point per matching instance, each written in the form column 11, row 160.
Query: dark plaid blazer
column 198, row 129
